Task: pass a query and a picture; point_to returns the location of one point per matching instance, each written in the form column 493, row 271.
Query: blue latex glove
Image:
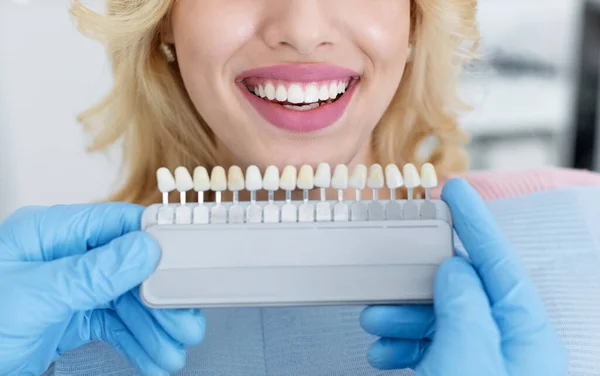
column 68, row 276
column 487, row 318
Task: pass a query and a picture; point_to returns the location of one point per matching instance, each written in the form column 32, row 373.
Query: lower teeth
column 305, row 107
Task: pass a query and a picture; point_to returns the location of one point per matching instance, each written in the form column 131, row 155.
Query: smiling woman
column 204, row 83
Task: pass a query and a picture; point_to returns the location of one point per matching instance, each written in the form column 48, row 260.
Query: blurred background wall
column 534, row 92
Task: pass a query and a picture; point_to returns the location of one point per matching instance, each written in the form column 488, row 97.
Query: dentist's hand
column 487, row 317
column 69, row 275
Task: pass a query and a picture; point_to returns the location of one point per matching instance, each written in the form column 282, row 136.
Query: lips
column 300, row 98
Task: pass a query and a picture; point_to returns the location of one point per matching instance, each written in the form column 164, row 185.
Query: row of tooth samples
column 290, row 179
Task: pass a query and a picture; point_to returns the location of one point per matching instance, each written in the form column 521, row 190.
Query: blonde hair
column 149, row 109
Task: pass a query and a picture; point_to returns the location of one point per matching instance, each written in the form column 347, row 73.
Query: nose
column 301, row 25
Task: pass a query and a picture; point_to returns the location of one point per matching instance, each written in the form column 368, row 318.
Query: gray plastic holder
column 298, row 263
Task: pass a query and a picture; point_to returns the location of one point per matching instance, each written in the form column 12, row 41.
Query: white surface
column 501, row 105
column 545, row 30
column 49, row 73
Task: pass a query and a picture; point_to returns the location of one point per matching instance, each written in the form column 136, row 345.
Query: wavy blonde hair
column 149, row 109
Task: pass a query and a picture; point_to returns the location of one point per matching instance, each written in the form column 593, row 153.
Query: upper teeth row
column 301, row 93
column 291, row 179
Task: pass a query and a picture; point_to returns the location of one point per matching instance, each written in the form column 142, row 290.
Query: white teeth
column 166, row 181
column 323, row 176
column 428, row 176
column 287, row 182
column 305, row 107
column 281, row 93
column 253, row 179
column 218, row 179
column 306, row 177
column 201, row 179
column 295, row 94
column 271, row 179
column 393, row 177
column 340, row 177
column 311, row 94
column 411, row 176
column 183, row 179
column 270, row 91
column 235, row 179
column 376, row 179
column 358, row 180
column 298, row 93
column 333, row 90
column 324, row 93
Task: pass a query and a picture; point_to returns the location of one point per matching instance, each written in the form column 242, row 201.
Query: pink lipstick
column 299, row 97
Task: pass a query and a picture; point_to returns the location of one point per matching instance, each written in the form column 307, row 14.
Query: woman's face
column 294, row 81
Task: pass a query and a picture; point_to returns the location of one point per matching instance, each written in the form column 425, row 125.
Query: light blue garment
column 557, row 234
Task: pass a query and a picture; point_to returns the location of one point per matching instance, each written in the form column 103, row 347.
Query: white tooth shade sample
column 235, row 179
column 201, row 179
column 376, row 179
column 340, row 177
column 271, row 179
column 306, row 177
column 253, row 179
column 411, row 176
column 183, row 179
column 166, row 181
column 218, row 179
column 287, row 182
column 393, row 177
column 323, row 176
column 358, row 180
column 428, row 176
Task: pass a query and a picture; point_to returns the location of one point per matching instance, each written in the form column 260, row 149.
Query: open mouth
column 299, row 96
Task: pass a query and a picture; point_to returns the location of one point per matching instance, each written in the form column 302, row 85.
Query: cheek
column 381, row 31
column 208, row 33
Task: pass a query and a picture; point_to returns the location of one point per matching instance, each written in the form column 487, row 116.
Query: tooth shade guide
column 289, row 213
column 393, row 211
column 236, row 214
column 201, row 215
column 271, row 214
column 306, row 212
column 428, row 210
column 378, row 207
column 359, row 212
column 341, row 212
column 411, row 210
column 183, row 215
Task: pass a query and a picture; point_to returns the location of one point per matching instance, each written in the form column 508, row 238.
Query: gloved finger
column 466, row 332
column 45, row 234
column 108, row 328
column 184, row 325
column 407, row 322
column 516, row 303
column 391, row 353
column 80, row 283
column 165, row 351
